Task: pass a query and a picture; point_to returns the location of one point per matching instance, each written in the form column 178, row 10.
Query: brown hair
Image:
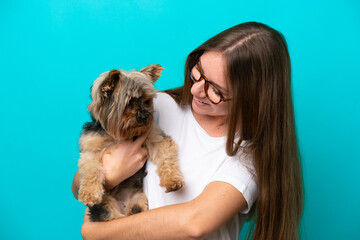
column 260, row 113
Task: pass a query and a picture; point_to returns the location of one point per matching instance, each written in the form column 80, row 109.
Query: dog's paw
column 98, row 213
column 136, row 208
column 173, row 183
column 176, row 186
column 90, row 198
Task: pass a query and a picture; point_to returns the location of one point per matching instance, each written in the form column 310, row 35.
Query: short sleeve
column 163, row 105
column 239, row 175
column 157, row 107
column 167, row 113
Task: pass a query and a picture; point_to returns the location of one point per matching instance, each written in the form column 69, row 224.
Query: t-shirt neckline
column 201, row 129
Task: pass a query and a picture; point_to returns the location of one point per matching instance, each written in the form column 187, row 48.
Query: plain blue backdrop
column 52, row 51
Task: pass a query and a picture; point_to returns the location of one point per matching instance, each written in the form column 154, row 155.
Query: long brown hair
column 261, row 113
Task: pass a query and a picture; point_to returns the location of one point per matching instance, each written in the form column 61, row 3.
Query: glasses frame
column 207, row 82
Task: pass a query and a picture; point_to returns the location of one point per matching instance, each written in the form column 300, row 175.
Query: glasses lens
column 213, row 94
column 195, row 74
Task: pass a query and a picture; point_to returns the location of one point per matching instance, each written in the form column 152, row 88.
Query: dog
column 122, row 109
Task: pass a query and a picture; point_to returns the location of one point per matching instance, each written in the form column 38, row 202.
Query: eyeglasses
column 212, row 92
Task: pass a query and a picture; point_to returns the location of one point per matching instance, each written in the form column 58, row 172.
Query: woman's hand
column 87, row 226
column 124, row 160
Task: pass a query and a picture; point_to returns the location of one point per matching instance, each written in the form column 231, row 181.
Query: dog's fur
column 121, row 109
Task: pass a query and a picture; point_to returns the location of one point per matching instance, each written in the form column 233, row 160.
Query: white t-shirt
column 202, row 160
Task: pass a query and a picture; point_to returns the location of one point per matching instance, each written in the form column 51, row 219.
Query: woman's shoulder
column 166, row 107
column 162, row 95
column 164, row 100
column 168, row 114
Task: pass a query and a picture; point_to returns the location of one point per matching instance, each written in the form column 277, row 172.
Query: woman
column 234, row 124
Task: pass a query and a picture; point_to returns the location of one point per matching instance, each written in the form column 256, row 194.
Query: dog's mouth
column 135, row 133
column 132, row 131
column 135, row 120
column 143, row 117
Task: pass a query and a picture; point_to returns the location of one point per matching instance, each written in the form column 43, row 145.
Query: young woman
column 234, row 123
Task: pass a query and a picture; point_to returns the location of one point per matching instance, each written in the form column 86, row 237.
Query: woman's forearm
column 196, row 219
column 162, row 223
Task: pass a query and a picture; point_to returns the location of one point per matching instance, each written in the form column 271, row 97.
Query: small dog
column 121, row 109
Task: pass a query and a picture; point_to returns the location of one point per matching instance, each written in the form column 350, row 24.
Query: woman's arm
column 75, row 185
column 196, row 219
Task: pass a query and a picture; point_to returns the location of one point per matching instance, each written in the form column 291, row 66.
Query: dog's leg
column 163, row 152
column 168, row 167
column 92, row 178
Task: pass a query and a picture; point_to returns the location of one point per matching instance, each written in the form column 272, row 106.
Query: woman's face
column 213, row 66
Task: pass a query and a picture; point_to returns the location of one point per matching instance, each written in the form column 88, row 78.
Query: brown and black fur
column 122, row 109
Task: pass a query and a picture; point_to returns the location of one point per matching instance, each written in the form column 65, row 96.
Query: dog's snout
column 143, row 116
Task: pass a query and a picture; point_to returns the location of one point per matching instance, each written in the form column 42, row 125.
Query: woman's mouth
column 199, row 103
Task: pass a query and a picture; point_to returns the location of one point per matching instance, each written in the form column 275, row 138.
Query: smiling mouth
column 201, row 102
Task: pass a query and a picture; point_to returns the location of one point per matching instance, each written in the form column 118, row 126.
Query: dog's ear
column 153, row 71
column 107, row 87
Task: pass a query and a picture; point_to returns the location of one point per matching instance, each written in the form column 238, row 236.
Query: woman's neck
column 215, row 126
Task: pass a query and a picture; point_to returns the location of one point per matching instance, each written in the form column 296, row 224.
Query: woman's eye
column 215, row 90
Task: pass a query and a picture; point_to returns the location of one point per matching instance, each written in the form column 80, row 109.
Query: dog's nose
column 143, row 116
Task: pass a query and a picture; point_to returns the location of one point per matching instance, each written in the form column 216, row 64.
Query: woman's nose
column 197, row 89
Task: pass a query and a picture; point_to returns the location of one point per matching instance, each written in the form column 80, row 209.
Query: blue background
column 52, row 51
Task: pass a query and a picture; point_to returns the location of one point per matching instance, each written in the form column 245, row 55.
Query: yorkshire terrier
column 122, row 109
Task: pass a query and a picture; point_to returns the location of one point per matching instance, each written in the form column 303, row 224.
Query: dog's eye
column 147, row 102
column 131, row 103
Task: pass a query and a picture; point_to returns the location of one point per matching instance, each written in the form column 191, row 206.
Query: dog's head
column 123, row 101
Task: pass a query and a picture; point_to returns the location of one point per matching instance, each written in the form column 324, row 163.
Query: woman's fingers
column 140, row 158
column 143, row 155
